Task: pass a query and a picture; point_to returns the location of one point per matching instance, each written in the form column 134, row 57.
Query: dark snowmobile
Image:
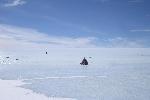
column 84, row 62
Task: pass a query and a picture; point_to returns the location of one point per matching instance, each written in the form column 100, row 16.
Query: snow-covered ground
column 73, row 56
column 112, row 74
column 10, row 90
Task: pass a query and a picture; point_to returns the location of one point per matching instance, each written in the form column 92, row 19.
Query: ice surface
column 112, row 74
column 73, row 56
column 11, row 91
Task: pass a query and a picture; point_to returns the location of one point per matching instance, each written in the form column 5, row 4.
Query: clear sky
column 100, row 23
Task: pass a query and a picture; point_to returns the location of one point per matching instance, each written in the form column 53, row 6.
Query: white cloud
column 101, row 1
column 135, row 1
column 12, row 37
column 121, row 42
column 14, row 3
column 17, row 37
column 142, row 30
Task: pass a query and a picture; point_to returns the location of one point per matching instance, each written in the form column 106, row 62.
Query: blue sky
column 107, row 23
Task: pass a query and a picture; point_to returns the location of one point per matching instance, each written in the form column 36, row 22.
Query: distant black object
column 7, row 57
column 46, row 53
column 17, row 59
column 84, row 62
column 90, row 57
